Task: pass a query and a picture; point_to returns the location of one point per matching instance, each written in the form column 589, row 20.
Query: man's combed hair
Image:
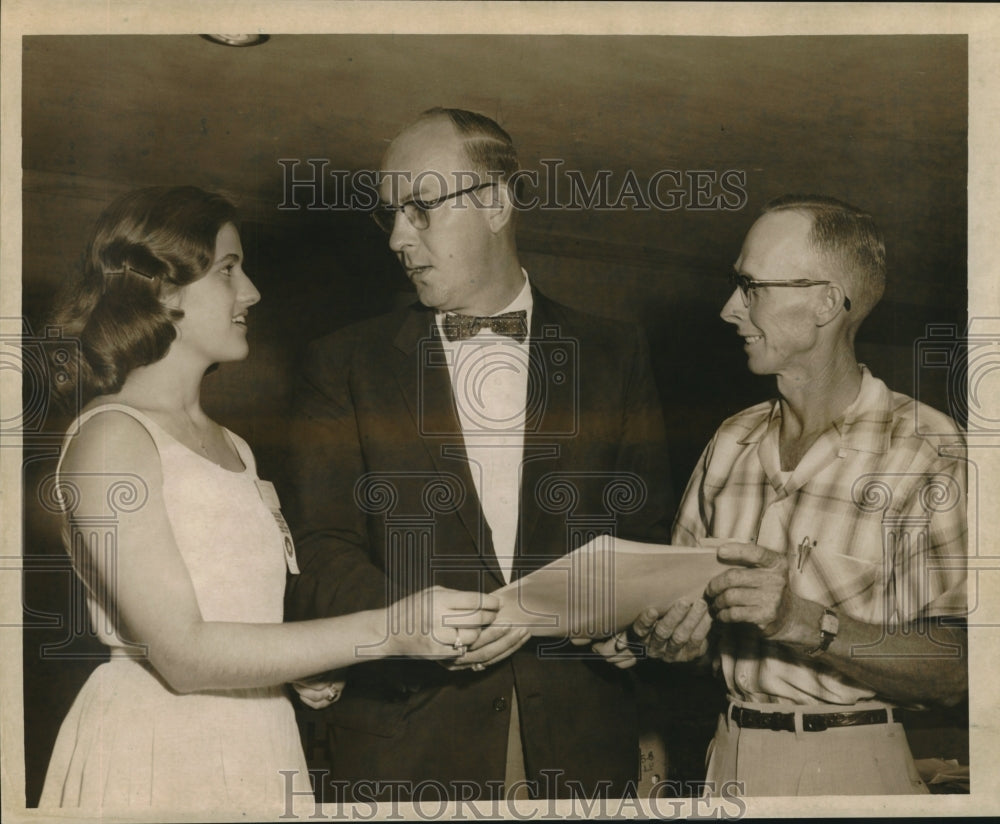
column 146, row 245
column 849, row 237
column 489, row 148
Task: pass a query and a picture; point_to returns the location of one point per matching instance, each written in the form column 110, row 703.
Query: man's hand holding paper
column 755, row 591
column 601, row 588
column 682, row 633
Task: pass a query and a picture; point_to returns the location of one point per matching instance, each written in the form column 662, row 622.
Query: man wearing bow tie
column 465, row 441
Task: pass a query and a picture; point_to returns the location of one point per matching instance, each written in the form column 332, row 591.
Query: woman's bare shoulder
column 112, row 441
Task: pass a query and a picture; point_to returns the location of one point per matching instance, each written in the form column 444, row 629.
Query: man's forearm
column 923, row 662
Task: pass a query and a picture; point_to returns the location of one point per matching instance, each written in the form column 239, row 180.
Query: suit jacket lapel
column 422, row 375
column 551, row 409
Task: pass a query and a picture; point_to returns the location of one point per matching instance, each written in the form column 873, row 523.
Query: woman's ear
column 172, row 296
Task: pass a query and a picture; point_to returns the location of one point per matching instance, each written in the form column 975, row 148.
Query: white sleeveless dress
column 129, row 741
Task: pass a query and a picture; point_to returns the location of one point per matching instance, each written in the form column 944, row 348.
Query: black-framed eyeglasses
column 416, row 209
column 746, row 284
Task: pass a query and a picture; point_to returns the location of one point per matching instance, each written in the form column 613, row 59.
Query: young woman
column 181, row 547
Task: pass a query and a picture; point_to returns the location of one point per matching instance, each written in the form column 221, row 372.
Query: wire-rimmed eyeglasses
column 745, row 284
column 416, row 209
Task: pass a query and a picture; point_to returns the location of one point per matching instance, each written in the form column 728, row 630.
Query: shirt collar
column 524, row 300
column 864, row 426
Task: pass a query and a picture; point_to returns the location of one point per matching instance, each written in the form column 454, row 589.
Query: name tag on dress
column 269, row 495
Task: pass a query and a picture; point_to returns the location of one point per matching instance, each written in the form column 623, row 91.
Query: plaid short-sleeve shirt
column 881, row 506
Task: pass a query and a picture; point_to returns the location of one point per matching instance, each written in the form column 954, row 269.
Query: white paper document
column 601, row 587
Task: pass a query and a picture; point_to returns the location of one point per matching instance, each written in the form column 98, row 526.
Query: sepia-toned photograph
column 506, row 410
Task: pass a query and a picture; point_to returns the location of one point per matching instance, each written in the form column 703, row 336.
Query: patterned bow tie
column 510, row 324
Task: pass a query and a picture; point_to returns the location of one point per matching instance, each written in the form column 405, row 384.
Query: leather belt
column 811, row 722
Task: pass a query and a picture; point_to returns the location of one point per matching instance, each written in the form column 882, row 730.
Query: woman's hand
column 495, row 643
column 439, row 623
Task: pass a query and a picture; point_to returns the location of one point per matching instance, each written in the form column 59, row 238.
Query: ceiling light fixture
column 237, row 39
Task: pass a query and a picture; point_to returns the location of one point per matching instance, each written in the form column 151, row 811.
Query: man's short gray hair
column 849, row 239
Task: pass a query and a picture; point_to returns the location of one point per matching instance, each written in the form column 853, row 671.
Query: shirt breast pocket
column 854, row 586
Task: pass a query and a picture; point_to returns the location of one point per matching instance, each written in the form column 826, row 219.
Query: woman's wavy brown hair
column 147, row 244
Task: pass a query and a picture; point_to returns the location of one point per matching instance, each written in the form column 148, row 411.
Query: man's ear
column 831, row 305
column 501, row 209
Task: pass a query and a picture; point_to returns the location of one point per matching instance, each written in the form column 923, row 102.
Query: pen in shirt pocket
column 805, row 548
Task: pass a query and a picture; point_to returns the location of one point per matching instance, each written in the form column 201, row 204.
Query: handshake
column 676, row 593
column 458, row 629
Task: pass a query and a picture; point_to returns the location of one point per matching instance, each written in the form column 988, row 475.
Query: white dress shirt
column 489, row 380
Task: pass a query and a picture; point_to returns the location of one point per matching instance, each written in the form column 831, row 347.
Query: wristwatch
column 829, row 625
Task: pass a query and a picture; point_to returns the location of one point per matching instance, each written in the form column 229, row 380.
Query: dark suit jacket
column 383, row 504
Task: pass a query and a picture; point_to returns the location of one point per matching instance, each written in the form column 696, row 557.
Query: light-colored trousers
column 864, row 760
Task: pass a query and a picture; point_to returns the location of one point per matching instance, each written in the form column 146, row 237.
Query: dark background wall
column 878, row 121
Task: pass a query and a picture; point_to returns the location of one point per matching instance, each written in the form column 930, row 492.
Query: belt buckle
column 756, row 719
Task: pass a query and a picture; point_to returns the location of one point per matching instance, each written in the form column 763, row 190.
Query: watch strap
column 829, row 626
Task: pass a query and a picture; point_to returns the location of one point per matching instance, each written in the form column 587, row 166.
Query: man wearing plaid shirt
column 845, row 526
